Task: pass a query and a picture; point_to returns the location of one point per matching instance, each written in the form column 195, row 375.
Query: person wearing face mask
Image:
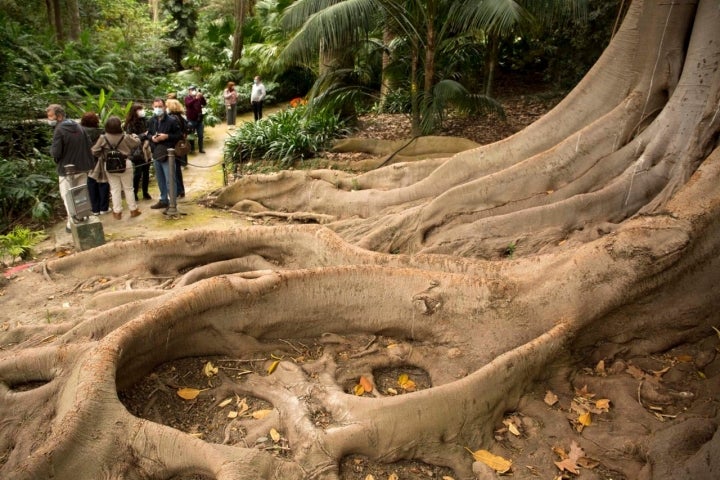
column 70, row 146
column 256, row 97
column 194, row 103
column 163, row 133
column 136, row 123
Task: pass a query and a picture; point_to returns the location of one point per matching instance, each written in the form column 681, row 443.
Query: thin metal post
column 172, row 185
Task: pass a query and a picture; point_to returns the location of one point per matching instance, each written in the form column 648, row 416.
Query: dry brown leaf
column 497, row 463
column 232, row 414
column 358, row 390
column 445, row 477
column 550, row 398
column 568, row 465
column 583, row 392
column 393, row 476
column 260, row 414
column 684, row 358
column 275, row 435
column 514, row 430
column 600, row 367
column 603, row 404
column 242, row 406
column 635, row 372
column 188, row 393
column 369, row 477
column 366, row 384
column 225, row 402
column 660, row 373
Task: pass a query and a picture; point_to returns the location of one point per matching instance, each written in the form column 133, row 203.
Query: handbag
column 182, row 148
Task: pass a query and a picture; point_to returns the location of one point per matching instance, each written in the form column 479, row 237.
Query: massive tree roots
column 549, row 298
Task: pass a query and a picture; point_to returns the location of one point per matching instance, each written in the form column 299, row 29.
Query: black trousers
column 257, row 110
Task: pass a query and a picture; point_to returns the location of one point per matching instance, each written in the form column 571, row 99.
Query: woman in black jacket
column 135, row 123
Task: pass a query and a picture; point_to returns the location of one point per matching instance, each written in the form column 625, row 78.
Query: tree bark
column 238, row 33
column 74, row 19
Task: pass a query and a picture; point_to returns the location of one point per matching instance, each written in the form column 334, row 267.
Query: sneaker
column 95, row 214
column 135, row 213
column 159, row 205
column 202, row 151
column 104, row 212
column 117, row 215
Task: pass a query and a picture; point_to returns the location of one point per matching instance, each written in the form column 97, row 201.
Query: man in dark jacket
column 194, row 103
column 163, row 133
column 70, row 146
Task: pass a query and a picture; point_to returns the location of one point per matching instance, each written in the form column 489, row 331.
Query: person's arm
column 97, row 149
column 263, row 93
column 56, row 148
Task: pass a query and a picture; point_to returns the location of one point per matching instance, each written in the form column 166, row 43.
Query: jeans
column 198, row 127
column 122, row 182
column 99, row 195
column 162, row 173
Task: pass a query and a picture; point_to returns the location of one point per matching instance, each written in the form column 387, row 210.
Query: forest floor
column 541, row 433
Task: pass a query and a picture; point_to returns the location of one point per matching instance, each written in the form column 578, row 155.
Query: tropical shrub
column 18, row 244
column 286, row 136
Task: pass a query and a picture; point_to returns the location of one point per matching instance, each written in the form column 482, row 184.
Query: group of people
column 142, row 141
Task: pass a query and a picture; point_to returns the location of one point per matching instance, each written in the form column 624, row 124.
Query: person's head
column 171, row 95
column 257, row 79
column 174, row 106
column 136, row 112
column 90, row 120
column 113, row 125
column 55, row 113
column 231, row 86
column 158, row 107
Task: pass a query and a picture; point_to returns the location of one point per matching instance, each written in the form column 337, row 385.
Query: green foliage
column 19, row 243
column 289, row 135
column 103, row 105
column 28, row 189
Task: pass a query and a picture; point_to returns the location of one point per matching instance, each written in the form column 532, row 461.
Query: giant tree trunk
column 237, row 44
column 612, row 209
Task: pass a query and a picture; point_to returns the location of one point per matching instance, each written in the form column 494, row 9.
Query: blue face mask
column 158, row 111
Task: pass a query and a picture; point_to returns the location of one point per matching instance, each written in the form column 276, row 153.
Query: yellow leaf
column 260, row 414
column 232, row 414
column 409, row 386
column 403, row 378
column 358, row 390
column 274, row 435
column 499, row 464
column 366, row 384
column 188, row 393
column 585, row 419
column 272, row 367
column 225, row 402
column 209, row 369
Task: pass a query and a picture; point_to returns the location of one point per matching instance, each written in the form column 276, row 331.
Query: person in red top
column 194, row 103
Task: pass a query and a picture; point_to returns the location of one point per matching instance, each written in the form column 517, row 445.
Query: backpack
column 114, row 158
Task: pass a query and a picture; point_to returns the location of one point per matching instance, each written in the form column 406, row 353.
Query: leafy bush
column 28, row 190
column 18, row 243
column 289, row 135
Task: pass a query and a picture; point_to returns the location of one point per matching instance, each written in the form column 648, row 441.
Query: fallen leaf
column 209, row 369
column 583, row 392
column 358, row 390
column 497, row 463
column 635, row 372
column 272, row 367
column 568, row 465
column 366, row 384
column 369, row 477
column 445, row 477
column 232, row 414
column 684, row 358
column 405, row 383
column 600, row 367
column 260, row 414
column 188, row 393
column 585, row 419
column 602, row 404
column 392, row 391
column 274, row 435
column 393, row 476
column 550, row 398
column 242, row 406
column 225, row 402
column 514, row 430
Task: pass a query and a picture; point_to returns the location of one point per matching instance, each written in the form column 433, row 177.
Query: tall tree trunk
column 155, row 9
column 237, row 45
column 58, row 22
column 386, row 85
column 74, row 19
column 415, row 106
column 491, row 61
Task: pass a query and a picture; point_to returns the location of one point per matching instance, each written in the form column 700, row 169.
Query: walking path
column 203, row 175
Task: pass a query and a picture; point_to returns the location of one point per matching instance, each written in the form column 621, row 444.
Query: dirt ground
column 613, row 410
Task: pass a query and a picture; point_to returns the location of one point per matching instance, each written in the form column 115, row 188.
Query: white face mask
column 141, row 113
column 158, row 111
